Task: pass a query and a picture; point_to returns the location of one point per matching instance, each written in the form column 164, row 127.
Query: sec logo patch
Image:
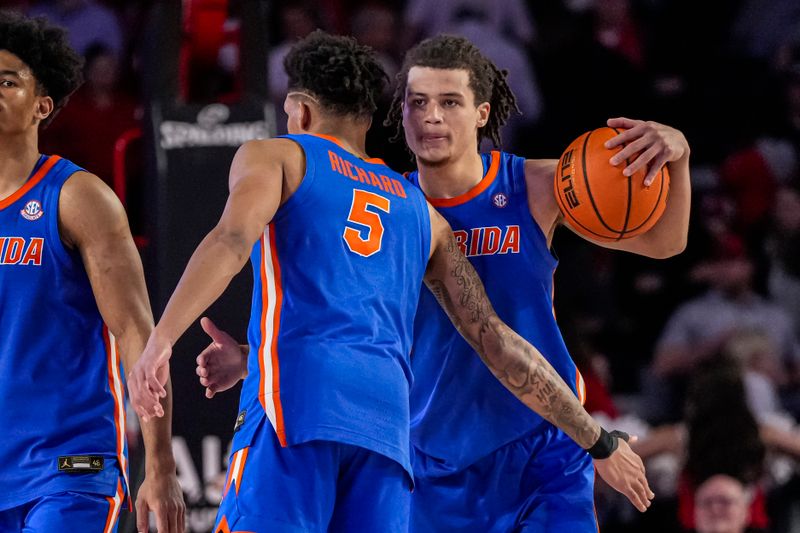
column 500, row 200
column 32, row 210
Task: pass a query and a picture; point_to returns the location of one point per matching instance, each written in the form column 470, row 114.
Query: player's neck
column 351, row 135
column 453, row 178
column 18, row 156
column 352, row 144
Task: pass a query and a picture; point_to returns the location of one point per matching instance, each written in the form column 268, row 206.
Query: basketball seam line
column 655, row 207
column 630, row 198
column 565, row 210
column 589, row 189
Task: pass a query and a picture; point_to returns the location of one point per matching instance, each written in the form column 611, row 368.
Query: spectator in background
column 476, row 25
column 699, row 328
column 375, row 25
column 749, row 179
column 719, row 435
column 723, row 438
column 297, row 21
column 783, row 281
column 761, row 370
column 722, row 505
column 97, row 114
column 87, row 23
column 784, row 251
column 513, row 20
column 616, row 30
column 761, row 27
column 722, row 434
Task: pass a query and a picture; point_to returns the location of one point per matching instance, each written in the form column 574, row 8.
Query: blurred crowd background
column 699, row 354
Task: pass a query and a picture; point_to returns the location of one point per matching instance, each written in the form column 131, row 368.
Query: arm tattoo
column 470, row 295
column 517, row 364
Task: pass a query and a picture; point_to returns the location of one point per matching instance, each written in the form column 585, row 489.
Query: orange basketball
column 597, row 199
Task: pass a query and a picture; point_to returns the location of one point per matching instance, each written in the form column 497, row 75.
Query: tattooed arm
column 518, row 365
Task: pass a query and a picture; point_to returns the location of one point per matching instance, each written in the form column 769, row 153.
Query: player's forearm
column 218, row 258
column 157, row 431
column 669, row 236
column 523, row 370
column 157, row 436
column 517, row 364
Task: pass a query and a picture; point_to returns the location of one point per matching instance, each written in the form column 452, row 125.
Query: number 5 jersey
column 337, row 278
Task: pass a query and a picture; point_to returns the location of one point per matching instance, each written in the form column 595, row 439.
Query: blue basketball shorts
column 540, row 482
column 317, row 486
column 66, row 511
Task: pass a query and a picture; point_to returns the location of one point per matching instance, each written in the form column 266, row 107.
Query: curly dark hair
column 45, row 49
column 723, row 433
column 345, row 76
column 487, row 82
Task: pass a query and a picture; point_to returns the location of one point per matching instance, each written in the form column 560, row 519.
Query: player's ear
column 44, row 108
column 483, row 113
column 305, row 116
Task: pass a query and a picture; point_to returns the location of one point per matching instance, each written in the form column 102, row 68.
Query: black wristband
column 606, row 444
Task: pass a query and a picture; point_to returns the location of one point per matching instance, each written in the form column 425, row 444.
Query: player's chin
column 432, row 154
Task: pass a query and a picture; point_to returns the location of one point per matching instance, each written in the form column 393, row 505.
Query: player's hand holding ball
column 612, row 183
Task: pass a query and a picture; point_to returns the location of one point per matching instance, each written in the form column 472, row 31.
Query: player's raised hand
column 222, row 364
column 161, row 494
column 624, row 472
column 148, row 377
column 647, row 144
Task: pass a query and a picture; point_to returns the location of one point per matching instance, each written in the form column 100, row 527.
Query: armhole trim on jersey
column 306, row 183
column 53, row 227
column 521, row 184
column 427, row 232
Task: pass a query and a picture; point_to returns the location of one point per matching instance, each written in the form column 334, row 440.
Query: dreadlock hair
column 345, row 76
column 46, row 51
column 451, row 52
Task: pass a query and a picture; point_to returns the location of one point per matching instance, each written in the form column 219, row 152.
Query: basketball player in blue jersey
column 483, row 462
column 73, row 311
column 340, row 246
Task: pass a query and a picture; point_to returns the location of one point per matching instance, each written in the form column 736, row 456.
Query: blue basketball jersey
column 460, row 411
column 337, row 277
column 62, row 392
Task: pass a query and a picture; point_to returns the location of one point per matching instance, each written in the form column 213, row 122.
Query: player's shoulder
column 260, row 154
column 84, row 192
column 84, row 186
column 540, row 169
column 539, row 177
column 270, row 148
column 542, row 204
column 88, row 206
